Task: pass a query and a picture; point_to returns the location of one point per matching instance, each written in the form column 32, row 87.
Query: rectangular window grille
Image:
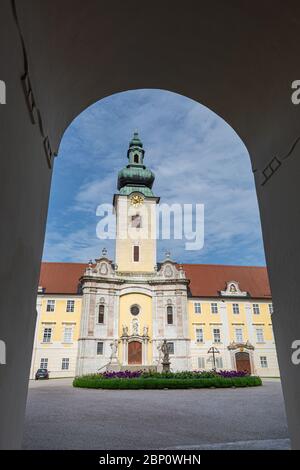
column 50, row 305
column 47, row 335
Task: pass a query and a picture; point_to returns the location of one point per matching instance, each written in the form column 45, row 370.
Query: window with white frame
column 256, row 310
column 239, row 335
column 271, row 310
column 47, row 335
column 99, row 348
column 201, row 362
column 170, row 347
column 263, row 361
column 68, row 334
column 199, row 335
column 50, row 305
column 219, row 362
column 236, row 309
column 260, row 335
column 70, row 306
column 214, row 307
column 65, row 363
column 197, row 307
column 44, row 363
column 217, row 335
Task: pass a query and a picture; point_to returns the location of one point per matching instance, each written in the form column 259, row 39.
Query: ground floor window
column 100, row 348
column 44, row 363
column 219, row 362
column 263, row 361
column 65, row 363
column 171, row 347
column 201, row 363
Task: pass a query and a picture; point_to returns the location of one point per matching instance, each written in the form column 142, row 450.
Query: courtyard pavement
column 59, row 416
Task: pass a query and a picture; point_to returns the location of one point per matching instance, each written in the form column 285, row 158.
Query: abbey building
column 116, row 313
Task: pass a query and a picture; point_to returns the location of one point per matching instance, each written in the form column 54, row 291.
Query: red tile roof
column 61, row 278
column 207, row 280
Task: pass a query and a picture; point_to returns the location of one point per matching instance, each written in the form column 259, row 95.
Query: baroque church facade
column 116, row 314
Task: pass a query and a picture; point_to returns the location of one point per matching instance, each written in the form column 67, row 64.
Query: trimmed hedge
column 92, row 381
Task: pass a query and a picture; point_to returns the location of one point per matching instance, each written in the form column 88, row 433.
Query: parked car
column 41, row 374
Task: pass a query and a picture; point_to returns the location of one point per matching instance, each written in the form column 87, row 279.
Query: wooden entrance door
column 243, row 362
column 134, row 352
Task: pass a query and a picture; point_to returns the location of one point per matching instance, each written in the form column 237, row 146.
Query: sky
column 196, row 157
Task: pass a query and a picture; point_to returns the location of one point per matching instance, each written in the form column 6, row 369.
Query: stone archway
column 62, row 72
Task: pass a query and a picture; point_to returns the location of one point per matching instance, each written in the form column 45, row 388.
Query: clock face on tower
column 136, row 200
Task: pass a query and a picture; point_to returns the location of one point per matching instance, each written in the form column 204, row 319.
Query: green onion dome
column 135, row 176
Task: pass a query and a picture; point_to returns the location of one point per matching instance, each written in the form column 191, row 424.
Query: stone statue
column 166, row 356
column 165, row 352
column 159, row 346
column 114, row 349
column 125, row 330
column 145, row 330
column 135, row 326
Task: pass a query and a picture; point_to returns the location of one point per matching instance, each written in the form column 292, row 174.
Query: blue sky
column 196, row 157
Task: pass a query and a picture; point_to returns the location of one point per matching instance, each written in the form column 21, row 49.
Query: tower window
column 136, row 221
column 101, row 314
column 136, row 158
column 136, row 253
column 170, row 315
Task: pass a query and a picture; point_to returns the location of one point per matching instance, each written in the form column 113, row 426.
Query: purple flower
column 122, row 374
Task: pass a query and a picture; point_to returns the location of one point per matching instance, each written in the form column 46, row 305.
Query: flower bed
column 167, row 380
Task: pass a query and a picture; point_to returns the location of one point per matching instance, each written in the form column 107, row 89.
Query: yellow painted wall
column 263, row 320
column 60, row 318
column 206, row 319
column 237, row 320
column 144, row 317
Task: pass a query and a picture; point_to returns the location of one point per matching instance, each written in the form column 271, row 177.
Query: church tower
column 135, row 208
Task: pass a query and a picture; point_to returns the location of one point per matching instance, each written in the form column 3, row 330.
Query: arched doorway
column 135, row 353
column 243, row 363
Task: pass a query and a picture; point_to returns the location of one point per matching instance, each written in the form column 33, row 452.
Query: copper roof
column 206, row 280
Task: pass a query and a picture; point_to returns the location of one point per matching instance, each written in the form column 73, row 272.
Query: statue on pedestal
column 114, row 349
column 166, row 356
